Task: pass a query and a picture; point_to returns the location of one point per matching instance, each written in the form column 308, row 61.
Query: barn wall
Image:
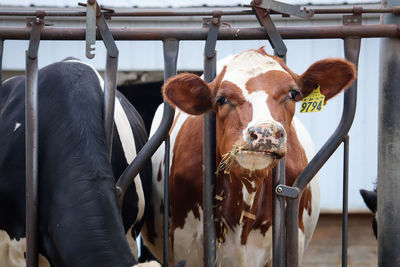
column 139, row 56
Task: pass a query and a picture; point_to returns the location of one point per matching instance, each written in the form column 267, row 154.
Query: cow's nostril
column 279, row 134
column 253, row 136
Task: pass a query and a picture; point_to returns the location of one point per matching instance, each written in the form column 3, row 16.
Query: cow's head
column 254, row 99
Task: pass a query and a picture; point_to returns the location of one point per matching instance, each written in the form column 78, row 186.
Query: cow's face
column 254, row 98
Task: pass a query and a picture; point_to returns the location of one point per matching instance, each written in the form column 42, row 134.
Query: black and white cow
column 79, row 218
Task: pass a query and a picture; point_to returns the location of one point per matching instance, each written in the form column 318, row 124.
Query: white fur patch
column 12, row 252
column 248, row 198
column 17, row 125
column 256, row 252
column 148, row 264
column 248, row 65
column 188, row 244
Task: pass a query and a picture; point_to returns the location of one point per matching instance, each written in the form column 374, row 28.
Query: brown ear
column 188, row 92
column 333, row 75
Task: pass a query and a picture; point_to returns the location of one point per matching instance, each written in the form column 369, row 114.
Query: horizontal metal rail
column 148, row 34
column 185, row 13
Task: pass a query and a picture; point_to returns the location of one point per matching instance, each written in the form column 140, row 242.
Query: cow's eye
column 221, row 100
column 293, row 95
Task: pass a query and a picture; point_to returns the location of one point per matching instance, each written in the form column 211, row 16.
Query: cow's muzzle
column 269, row 138
column 264, row 144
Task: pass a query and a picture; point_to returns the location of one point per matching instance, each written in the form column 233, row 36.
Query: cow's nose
column 266, row 130
column 266, row 135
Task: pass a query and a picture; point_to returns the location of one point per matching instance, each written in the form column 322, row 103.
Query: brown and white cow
column 254, row 99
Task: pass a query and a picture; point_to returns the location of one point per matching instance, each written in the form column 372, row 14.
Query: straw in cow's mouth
column 229, row 158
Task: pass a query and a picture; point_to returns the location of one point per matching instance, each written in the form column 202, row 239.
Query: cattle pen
column 286, row 198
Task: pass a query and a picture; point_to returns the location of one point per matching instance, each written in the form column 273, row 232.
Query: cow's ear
column 188, row 92
column 332, row 75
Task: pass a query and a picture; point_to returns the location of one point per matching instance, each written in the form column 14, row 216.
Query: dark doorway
column 145, row 97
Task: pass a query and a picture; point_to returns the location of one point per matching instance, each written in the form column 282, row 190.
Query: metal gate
column 286, row 198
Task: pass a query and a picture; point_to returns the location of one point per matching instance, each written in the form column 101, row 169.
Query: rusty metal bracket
column 274, row 37
column 355, row 19
column 283, row 8
column 212, row 36
column 90, row 28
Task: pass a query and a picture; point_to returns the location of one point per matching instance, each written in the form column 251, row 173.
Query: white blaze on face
column 240, row 70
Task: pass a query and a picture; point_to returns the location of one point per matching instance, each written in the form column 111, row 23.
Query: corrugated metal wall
column 147, row 56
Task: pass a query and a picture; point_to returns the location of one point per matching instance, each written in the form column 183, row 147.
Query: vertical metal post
column 389, row 147
column 32, row 139
column 345, row 199
column 209, row 154
column 279, row 216
column 292, row 232
column 110, row 85
column 278, row 219
column 1, row 59
column 110, row 81
column 171, row 48
column 352, row 51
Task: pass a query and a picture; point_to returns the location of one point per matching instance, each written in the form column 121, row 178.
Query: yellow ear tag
column 313, row 102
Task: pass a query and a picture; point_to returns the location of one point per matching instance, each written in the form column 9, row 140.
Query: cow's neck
column 244, row 198
column 241, row 204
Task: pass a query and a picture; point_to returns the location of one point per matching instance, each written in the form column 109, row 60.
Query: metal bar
column 176, row 13
column 32, row 140
column 283, row 8
column 273, row 35
column 278, row 220
column 90, row 28
column 209, row 154
column 110, row 85
column 326, row 32
column 171, row 48
column 352, row 51
column 388, row 148
column 1, row 59
column 279, row 209
column 110, row 82
column 166, row 202
column 292, row 231
column 345, row 199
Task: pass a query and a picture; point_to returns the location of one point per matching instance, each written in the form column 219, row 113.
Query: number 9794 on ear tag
column 313, row 102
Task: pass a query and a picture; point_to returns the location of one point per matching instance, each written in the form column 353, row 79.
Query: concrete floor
column 325, row 247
